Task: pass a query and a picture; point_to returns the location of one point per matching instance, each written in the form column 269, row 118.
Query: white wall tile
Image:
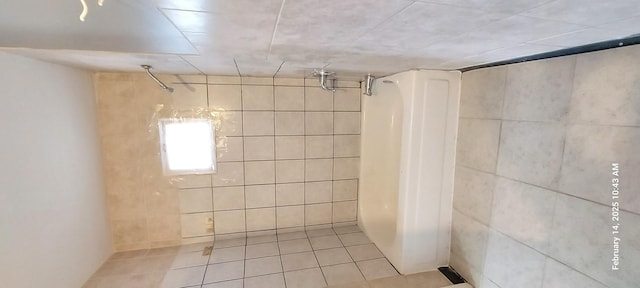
column 289, row 123
column 228, row 198
column 257, row 97
column 531, row 152
column 469, row 239
column 548, row 99
column 318, row 169
column 228, row 174
column 582, row 239
column 605, row 85
column 258, row 196
column 225, row 97
column 217, row 79
column 319, row 147
column 290, row 147
column 346, row 145
column 473, row 193
column 318, row 123
column 346, row 168
column 345, row 190
column 290, row 216
column 259, row 148
column 483, row 93
column 316, row 99
column 346, row 122
column 195, row 200
column 318, row 192
column 228, row 123
column 261, row 219
column 347, row 99
column 248, row 80
column 558, row 275
column 229, row 221
column 344, row 211
column 289, row 81
column 588, row 156
column 534, row 207
column 259, row 172
column 288, row 171
column 478, row 142
column 289, row 194
column 229, row 149
column 315, row 214
column 289, row 98
column 258, row 123
column 507, row 258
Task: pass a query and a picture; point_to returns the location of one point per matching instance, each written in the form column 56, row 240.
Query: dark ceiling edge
column 610, row 44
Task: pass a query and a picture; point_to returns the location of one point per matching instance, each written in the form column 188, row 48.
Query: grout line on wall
column 545, row 188
column 537, row 251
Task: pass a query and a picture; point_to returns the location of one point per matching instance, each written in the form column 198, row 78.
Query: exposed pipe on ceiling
column 148, row 68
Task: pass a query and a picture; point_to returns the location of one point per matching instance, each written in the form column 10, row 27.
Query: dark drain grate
column 452, row 275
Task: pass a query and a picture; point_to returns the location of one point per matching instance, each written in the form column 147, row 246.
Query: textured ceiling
column 292, row 37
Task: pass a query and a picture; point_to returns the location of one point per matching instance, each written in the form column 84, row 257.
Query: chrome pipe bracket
column 368, row 85
column 147, row 68
column 323, row 76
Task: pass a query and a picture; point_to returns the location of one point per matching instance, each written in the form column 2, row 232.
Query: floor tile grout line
column 354, row 262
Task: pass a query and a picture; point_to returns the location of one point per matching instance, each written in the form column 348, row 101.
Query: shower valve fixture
column 323, row 76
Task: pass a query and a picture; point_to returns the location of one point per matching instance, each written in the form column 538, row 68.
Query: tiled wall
column 533, row 176
column 287, row 152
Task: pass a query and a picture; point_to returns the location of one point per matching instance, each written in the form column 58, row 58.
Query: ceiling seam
column 191, row 64
column 237, row 69
column 385, row 20
column 275, row 28
column 177, row 28
column 279, row 67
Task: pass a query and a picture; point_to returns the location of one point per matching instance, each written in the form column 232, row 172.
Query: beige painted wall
column 54, row 230
column 536, row 143
column 288, row 157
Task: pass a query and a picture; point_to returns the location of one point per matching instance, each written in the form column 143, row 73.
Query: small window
column 187, row 146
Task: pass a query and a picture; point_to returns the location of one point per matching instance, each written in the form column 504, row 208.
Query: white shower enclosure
column 409, row 128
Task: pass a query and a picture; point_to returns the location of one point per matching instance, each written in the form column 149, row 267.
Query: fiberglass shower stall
column 409, row 127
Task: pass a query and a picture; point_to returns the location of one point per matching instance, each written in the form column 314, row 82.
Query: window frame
column 162, row 123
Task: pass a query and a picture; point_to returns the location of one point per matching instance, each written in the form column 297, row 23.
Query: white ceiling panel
column 511, row 53
column 256, row 66
column 212, row 65
column 625, row 27
column 423, row 24
column 590, row 12
column 109, row 61
column 352, row 37
column 329, row 22
column 582, row 37
column 494, row 6
column 120, row 26
column 522, row 29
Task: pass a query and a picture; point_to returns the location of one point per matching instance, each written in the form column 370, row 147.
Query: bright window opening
column 187, row 146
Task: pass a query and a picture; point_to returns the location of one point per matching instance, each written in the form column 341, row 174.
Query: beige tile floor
column 338, row 257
